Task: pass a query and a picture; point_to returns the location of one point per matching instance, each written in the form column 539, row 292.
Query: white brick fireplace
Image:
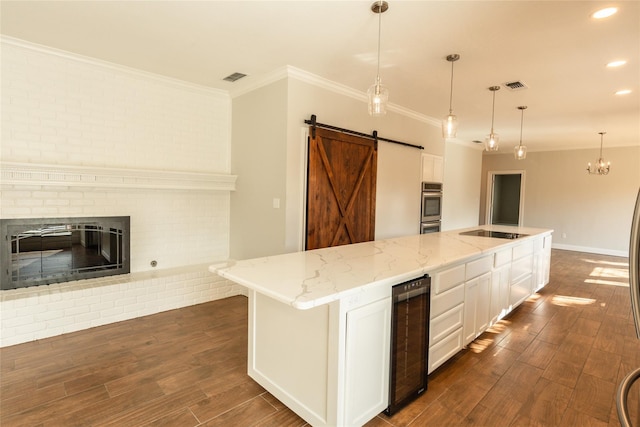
column 87, row 138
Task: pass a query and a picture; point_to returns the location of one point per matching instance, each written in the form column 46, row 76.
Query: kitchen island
column 319, row 321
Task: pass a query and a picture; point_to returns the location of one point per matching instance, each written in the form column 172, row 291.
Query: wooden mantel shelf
column 100, row 177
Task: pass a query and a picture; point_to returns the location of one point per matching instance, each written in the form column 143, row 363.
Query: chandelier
column 601, row 167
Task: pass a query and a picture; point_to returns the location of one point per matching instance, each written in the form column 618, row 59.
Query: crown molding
column 99, row 177
column 260, row 81
column 11, row 41
column 315, row 80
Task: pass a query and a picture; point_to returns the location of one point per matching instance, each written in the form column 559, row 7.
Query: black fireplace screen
column 42, row 251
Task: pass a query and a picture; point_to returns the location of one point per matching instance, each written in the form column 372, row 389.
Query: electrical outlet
column 564, row 235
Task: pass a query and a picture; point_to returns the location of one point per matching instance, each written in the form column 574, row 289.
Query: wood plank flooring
column 555, row 361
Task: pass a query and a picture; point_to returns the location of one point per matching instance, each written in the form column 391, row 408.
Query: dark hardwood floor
column 555, row 361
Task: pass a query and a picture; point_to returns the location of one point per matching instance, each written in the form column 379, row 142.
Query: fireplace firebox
column 42, row 251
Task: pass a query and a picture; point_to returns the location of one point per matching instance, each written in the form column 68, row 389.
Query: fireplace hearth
column 42, row 251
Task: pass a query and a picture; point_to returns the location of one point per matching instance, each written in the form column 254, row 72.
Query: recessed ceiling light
column 623, row 92
column 604, row 13
column 616, row 63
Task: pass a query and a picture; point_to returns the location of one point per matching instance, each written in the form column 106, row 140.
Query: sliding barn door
column 341, row 189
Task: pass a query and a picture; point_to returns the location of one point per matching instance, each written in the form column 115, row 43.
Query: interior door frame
column 489, row 204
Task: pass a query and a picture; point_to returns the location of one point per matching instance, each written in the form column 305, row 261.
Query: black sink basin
column 495, row 234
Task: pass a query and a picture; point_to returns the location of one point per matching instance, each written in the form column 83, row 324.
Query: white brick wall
column 61, row 109
column 43, row 311
column 64, row 109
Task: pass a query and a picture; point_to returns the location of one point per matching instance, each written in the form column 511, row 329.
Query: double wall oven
column 431, row 213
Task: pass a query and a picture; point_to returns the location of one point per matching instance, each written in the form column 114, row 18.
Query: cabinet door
column 367, row 362
column 542, row 263
column 477, row 299
column 483, row 303
column 499, row 293
column 520, row 291
column 470, row 300
column 432, row 168
column 438, row 169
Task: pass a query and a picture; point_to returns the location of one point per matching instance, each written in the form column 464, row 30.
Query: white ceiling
column 554, row 47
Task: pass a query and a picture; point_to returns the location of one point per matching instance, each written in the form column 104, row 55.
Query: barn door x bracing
column 341, row 189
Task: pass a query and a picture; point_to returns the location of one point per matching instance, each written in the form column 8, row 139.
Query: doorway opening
column 505, row 198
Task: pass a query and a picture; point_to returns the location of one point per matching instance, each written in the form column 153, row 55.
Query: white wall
column 399, row 167
column 259, row 159
column 69, row 113
column 461, row 189
column 271, row 165
column 66, row 110
column 588, row 213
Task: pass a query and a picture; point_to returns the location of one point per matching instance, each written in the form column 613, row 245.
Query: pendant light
column 450, row 122
column 520, row 151
column 378, row 94
column 491, row 140
column 600, row 168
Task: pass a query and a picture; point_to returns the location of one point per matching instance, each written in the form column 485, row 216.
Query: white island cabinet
column 320, row 321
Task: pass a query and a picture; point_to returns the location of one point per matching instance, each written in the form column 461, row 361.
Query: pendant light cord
column 493, row 110
column 451, row 92
column 379, row 35
column 521, row 122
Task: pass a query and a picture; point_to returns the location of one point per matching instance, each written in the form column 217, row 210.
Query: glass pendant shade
column 491, row 142
column 378, row 96
column 449, row 126
column 450, row 122
column 520, row 152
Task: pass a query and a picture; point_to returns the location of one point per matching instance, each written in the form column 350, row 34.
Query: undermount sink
column 495, row 234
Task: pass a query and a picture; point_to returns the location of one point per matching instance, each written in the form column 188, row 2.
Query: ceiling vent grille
column 516, row 85
column 234, row 77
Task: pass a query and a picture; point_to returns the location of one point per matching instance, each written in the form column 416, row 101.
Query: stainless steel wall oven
column 431, row 210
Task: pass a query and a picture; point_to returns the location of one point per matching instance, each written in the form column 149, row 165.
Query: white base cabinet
column 329, row 364
column 476, row 306
column 446, row 314
column 468, row 297
column 367, row 361
column 542, row 262
column 500, row 290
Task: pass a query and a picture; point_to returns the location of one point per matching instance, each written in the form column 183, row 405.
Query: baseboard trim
column 600, row 251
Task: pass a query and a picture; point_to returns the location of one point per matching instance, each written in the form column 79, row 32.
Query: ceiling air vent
column 233, row 77
column 516, row 85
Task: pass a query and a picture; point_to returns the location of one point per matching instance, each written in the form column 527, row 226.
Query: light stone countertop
column 312, row 278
